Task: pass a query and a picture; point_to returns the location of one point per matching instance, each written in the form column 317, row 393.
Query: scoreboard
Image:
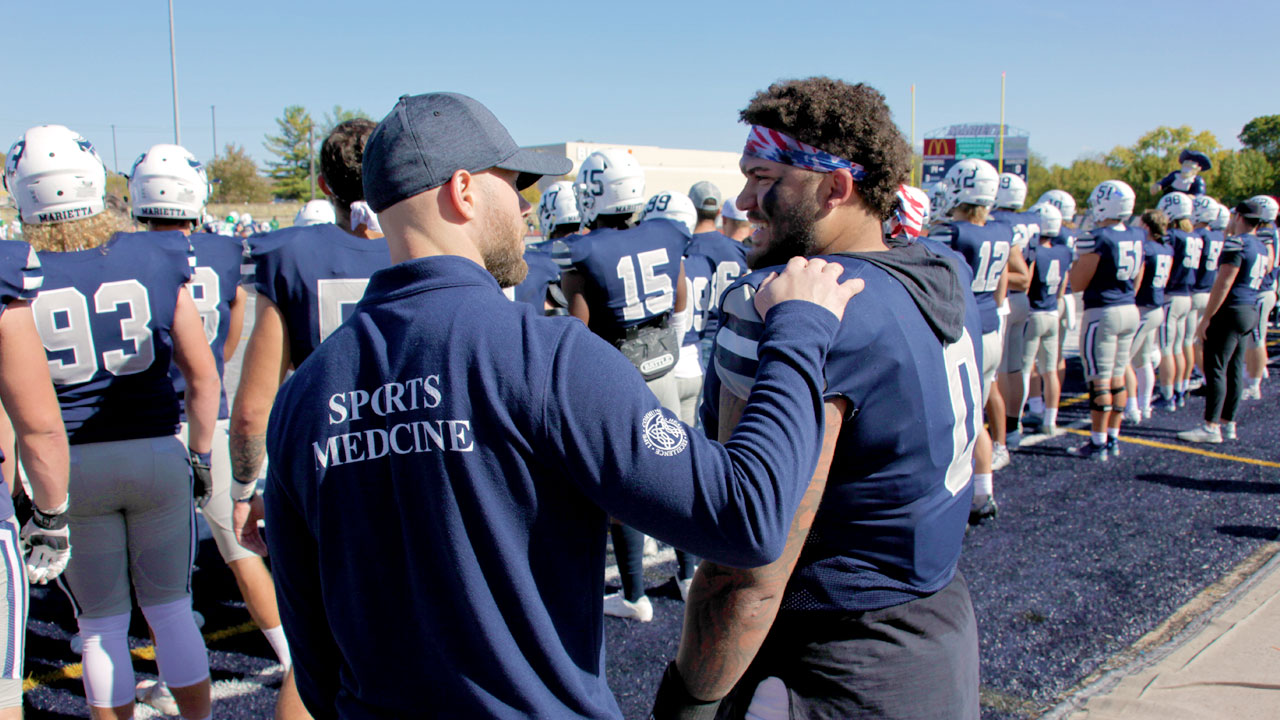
column 981, row 141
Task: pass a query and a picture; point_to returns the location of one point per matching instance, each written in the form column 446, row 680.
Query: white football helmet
column 1012, row 193
column 672, row 206
column 972, row 181
column 558, row 206
column 1204, row 209
column 246, row 219
column 610, row 182
column 1176, row 205
column 1111, row 200
column 55, row 175
column 1268, row 205
column 315, row 212
column 1224, row 217
column 1050, row 218
column 939, row 199
column 1062, row 200
column 168, row 182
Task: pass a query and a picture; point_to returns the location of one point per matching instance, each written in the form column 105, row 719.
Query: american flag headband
column 769, row 144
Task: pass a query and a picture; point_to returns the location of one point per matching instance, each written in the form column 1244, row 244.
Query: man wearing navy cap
column 443, row 465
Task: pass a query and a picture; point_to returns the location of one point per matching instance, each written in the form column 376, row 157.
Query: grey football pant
column 132, row 519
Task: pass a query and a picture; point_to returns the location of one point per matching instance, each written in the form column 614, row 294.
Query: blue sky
column 1082, row 76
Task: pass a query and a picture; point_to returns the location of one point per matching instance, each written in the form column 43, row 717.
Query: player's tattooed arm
column 730, row 610
column 266, row 360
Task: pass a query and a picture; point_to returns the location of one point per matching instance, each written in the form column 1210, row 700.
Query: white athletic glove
column 48, row 541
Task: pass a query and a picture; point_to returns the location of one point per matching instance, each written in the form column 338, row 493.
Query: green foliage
column 235, row 178
column 1263, row 134
column 333, row 119
column 291, row 173
column 1242, row 175
column 1235, row 175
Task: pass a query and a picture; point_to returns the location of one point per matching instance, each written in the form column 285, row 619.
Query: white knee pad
column 770, row 701
column 108, row 669
column 180, row 650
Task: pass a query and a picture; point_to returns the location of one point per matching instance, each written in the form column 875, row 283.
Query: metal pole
column 173, row 60
column 1001, row 169
column 913, row 135
column 311, row 162
column 115, row 156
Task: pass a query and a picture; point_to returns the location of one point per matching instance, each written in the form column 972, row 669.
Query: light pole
column 173, row 60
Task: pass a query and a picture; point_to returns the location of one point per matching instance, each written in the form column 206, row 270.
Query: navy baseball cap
column 425, row 139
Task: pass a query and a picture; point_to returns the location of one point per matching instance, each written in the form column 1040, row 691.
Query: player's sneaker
column 1132, row 416
column 77, row 644
column 1181, row 398
column 683, row 585
column 157, row 695
column 1113, row 446
column 618, row 606
column 1165, row 404
column 1050, row 430
column 1013, row 438
column 988, row 510
column 1251, row 393
column 1090, row 451
column 1195, row 382
column 1206, row 433
column 1032, row 423
column 1229, row 430
column 999, row 457
column 1147, row 412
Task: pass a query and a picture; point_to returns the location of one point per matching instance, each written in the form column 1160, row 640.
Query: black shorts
column 916, row 661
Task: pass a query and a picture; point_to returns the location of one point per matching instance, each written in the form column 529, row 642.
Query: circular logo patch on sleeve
column 664, row 435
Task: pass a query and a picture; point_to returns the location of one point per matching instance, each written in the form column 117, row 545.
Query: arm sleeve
column 1232, row 253
column 20, row 273
column 732, row 503
column 1086, row 244
column 295, row 570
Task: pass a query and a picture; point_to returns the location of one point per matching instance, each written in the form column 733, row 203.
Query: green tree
column 1039, row 177
column 1263, row 134
column 291, row 173
column 235, row 178
column 333, row 119
column 1242, row 175
column 1155, row 155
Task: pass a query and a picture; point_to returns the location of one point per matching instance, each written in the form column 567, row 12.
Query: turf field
column 1087, row 566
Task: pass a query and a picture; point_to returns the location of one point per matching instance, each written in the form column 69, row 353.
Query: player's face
column 503, row 228
column 779, row 200
column 1190, row 167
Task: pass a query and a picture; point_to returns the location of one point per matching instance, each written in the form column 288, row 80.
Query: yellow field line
column 1185, row 449
column 73, row 671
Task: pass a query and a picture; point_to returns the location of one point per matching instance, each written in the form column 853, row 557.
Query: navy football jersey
column 1051, row 267
column 729, row 257
column 20, row 278
column 543, row 271
column 1267, row 236
column 1249, row 254
column 1212, row 243
column 1119, row 250
column 105, row 316
column 562, row 250
column 1025, row 226
column 630, row 275
column 315, row 275
column 986, row 248
column 213, row 285
column 1158, row 259
column 20, row 273
column 1187, row 247
column 1067, row 237
column 893, row 515
column 699, row 278
column 1174, row 182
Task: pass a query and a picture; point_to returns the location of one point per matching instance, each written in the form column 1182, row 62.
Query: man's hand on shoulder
column 811, row 279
